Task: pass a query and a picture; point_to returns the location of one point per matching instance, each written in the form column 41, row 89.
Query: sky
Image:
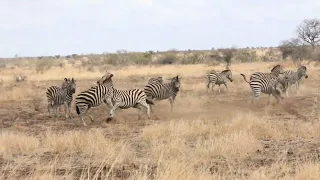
column 44, row 28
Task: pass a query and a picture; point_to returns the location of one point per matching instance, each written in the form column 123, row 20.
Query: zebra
column 276, row 70
column 161, row 91
column 218, row 78
column 157, row 79
column 105, row 92
column 267, row 84
column 61, row 95
column 295, row 77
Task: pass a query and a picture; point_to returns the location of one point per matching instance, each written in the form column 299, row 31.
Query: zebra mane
column 276, row 67
column 303, row 67
column 106, row 79
column 224, row 71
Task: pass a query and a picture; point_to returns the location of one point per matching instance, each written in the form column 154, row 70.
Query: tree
column 309, row 31
column 294, row 48
column 227, row 55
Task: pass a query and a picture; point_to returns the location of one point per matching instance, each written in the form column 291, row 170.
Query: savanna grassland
column 207, row 136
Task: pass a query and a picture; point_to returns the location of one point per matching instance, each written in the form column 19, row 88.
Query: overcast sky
column 43, row 27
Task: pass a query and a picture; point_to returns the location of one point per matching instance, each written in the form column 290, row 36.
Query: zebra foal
column 161, row 91
column 58, row 96
column 294, row 77
column 267, row 84
column 216, row 78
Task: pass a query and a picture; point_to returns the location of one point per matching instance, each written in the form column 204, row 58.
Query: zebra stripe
column 91, row 98
column 295, row 77
column 276, row 70
column 267, row 84
column 161, row 91
column 114, row 98
column 155, row 80
column 57, row 96
column 216, row 78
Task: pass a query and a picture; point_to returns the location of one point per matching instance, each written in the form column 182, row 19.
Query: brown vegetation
column 208, row 136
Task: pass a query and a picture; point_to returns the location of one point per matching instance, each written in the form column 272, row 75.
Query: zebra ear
column 65, row 79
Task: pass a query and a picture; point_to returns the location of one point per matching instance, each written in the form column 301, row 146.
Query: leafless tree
column 309, row 31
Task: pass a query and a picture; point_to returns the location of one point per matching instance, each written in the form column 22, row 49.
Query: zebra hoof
column 109, row 119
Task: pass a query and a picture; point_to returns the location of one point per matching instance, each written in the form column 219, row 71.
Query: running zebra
column 157, row 79
column 295, row 77
column 267, row 84
column 114, row 98
column 219, row 78
column 161, row 91
column 57, row 96
column 276, row 70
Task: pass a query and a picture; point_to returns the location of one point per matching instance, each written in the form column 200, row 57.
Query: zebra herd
column 105, row 92
column 274, row 83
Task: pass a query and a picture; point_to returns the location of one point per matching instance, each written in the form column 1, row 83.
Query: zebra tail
column 77, row 109
column 149, row 102
column 244, row 77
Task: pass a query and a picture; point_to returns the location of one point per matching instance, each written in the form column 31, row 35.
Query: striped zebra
column 276, row 70
column 294, row 77
column 105, row 92
column 161, row 91
column 58, row 96
column 216, row 78
column 157, row 79
column 267, row 84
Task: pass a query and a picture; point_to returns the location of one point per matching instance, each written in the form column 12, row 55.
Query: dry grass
column 208, row 136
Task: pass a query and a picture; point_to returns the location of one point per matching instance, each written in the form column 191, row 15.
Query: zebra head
column 160, row 79
column 228, row 74
column 302, row 72
column 106, row 78
column 278, row 89
column 282, row 82
column 175, row 82
column 69, row 84
column 72, row 85
column 277, row 69
column 65, row 83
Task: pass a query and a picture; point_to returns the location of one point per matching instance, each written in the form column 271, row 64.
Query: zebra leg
column 225, row 84
column 208, row 85
column 139, row 108
column 108, row 101
column 269, row 97
column 151, row 109
column 113, row 110
column 49, row 107
column 171, row 100
column 55, row 107
column 66, row 110
column 213, row 84
column 219, row 88
column 69, row 107
column 91, row 118
column 255, row 98
column 82, row 110
column 297, row 86
column 148, row 107
column 81, row 118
